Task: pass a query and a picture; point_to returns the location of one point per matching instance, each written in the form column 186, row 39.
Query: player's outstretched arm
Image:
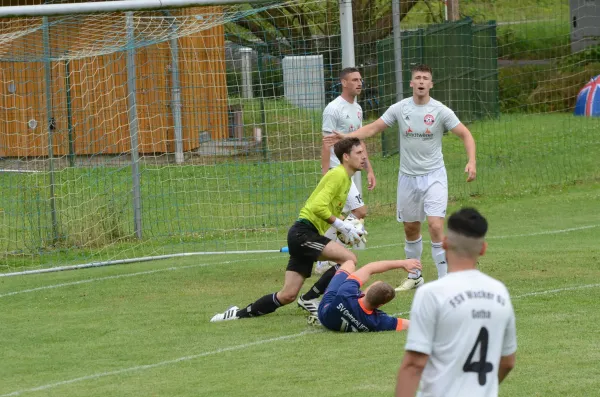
column 362, row 133
column 410, row 373
column 365, row 272
column 463, row 133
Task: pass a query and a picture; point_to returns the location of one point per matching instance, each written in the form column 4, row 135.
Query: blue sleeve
column 387, row 323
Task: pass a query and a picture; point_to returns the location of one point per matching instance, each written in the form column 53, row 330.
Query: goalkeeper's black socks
column 321, row 285
column 265, row 305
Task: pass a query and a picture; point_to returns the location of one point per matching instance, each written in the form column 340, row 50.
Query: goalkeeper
column 306, row 240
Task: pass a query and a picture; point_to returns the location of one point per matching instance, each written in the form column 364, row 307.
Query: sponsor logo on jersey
column 429, row 119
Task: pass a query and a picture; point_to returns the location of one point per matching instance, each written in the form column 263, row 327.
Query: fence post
column 133, row 126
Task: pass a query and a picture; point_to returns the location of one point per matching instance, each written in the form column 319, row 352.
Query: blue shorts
column 330, row 294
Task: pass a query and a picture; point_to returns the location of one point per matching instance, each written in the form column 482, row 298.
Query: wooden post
column 453, row 14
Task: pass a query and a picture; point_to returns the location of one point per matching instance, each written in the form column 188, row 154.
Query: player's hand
column 371, row 179
column 412, row 265
column 333, row 138
column 471, row 171
column 352, row 233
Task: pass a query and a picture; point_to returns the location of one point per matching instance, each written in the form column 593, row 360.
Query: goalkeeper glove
column 349, row 230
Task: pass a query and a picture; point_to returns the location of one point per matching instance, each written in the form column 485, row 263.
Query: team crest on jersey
column 429, row 119
column 359, row 114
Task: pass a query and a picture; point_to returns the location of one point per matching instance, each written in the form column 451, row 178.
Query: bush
column 539, row 40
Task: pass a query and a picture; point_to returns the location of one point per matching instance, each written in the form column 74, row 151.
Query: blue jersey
column 342, row 308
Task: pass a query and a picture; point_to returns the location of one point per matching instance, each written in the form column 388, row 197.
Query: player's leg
column 336, row 253
column 322, row 266
column 435, row 203
column 305, row 245
column 271, row 302
column 411, row 213
column 327, row 305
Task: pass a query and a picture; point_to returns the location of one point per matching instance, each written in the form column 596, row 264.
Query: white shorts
column 421, row 196
column 354, row 200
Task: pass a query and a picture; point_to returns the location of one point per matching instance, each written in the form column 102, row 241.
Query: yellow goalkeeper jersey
column 327, row 199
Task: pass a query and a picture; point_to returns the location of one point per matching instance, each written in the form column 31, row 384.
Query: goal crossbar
column 108, row 6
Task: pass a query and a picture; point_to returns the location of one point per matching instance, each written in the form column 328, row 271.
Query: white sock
column 414, row 250
column 439, row 257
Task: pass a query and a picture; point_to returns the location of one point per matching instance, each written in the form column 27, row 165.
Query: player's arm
column 419, row 341
column 364, row 273
column 325, row 158
column 507, row 363
column 368, row 130
column 410, row 373
column 370, row 173
column 320, row 204
column 509, row 347
column 465, row 135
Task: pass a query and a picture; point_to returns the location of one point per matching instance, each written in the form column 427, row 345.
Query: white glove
column 349, row 230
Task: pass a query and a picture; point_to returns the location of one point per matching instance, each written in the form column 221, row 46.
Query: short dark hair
column 347, row 71
column 344, row 146
column 421, row 68
column 380, row 294
column 468, row 222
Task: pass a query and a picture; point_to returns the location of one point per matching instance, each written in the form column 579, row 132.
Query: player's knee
column 287, row 297
column 412, row 230
column 360, row 212
column 436, row 231
column 352, row 257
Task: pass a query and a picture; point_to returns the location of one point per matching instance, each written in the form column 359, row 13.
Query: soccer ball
column 359, row 224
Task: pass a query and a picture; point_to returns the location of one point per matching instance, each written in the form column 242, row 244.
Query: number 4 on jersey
column 480, row 367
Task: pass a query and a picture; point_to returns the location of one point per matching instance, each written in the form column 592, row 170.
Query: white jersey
column 341, row 116
column 465, row 322
column 421, row 128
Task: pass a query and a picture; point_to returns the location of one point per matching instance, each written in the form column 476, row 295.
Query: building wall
column 98, row 90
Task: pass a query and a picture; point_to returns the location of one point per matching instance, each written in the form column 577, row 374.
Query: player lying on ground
column 345, row 308
column 306, row 240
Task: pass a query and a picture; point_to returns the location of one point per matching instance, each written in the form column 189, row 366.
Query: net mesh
column 229, row 101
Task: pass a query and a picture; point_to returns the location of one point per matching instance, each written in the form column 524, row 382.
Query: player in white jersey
column 344, row 115
column 422, row 181
column 462, row 337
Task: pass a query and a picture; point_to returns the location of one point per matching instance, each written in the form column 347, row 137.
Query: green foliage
column 534, row 40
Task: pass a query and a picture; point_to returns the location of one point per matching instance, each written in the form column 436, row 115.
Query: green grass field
column 143, row 330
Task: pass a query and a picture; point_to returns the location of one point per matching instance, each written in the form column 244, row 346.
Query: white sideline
column 159, row 364
column 232, row 348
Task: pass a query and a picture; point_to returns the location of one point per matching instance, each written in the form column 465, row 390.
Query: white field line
column 91, row 280
column 232, row 348
column 159, row 364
